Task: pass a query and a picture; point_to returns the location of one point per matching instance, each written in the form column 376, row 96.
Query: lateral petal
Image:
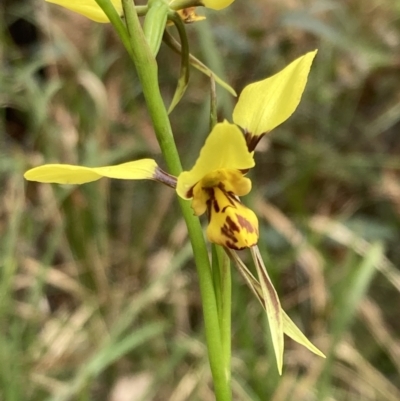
column 71, row 174
column 88, row 8
column 264, row 105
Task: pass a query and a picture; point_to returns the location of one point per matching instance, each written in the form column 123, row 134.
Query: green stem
column 147, row 70
column 222, row 271
column 226, row 306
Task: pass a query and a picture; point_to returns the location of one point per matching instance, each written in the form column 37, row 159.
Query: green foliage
column 98, row 292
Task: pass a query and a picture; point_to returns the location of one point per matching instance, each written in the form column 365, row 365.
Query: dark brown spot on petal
column 216, row 206
column 252, row 140
column 231, row 245
column 211, row 201
column 231, row 224
column 245, row 224
column 227, row 232
column 231, row 198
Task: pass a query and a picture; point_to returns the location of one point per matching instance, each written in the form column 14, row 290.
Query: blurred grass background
column 98, row 292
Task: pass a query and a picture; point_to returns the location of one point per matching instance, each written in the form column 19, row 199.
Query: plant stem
column 226, row 306
column 221, row 271
column 147, row 70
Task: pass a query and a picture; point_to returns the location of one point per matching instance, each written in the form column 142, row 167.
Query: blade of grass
column 357, row 284
column 106, row 356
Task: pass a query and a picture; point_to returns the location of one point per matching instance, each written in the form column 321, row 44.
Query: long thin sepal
column 289, row 327
column 272, row 306
column 295, row 334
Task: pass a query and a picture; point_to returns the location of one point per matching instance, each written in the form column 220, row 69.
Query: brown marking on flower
column 228, row 230
column 252, row 140
column 231, row 198
column 211, row 201
column 231, row 245
column 245, row 224
column 231, row 224
column 216, row 206
column 189, row 193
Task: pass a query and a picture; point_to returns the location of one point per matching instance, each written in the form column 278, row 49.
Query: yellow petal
column 88, row 8
column 264, row 105
column 216, row 4
column 69, row 174
column 200, row 198
column 228, row 180
column 225, row 148
column 231, row 223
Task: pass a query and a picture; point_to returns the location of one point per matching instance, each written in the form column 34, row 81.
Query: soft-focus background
column 99, row 297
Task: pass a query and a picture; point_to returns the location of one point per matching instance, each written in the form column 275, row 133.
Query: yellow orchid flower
column 88, row 8
column 214, row 183
column 217, row 179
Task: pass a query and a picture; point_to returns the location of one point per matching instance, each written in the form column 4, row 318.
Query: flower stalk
column 146, row 68
column 221, row 269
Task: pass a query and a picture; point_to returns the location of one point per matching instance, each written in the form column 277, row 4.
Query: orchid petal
column 228, row 180
column 88, row 8
column 264, row 105
column 232, row 224
column 225, row 148
column 70, row 174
